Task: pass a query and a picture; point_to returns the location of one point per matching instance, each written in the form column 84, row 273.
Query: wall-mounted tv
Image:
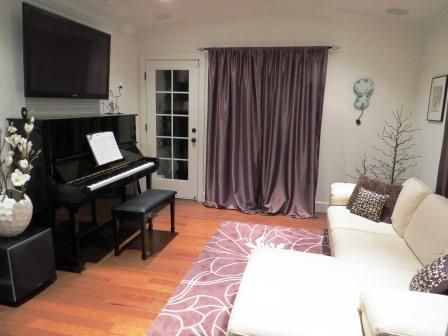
column 62, row 58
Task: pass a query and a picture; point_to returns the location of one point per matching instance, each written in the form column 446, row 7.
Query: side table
column 27, row 264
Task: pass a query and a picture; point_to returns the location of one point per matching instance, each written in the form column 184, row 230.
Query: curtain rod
column 332, row 47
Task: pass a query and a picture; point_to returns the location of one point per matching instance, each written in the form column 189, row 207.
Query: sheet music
column 104, row 147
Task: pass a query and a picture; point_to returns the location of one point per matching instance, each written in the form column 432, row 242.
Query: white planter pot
column 15, row 216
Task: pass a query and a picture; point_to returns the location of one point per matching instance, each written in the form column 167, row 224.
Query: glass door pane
column 172, row 110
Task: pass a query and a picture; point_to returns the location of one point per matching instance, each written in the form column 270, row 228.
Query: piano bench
column 143, row 207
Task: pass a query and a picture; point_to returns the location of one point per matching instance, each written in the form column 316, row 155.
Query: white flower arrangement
column 16, row 166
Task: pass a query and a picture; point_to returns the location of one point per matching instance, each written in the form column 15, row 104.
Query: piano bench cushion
column 146, row 201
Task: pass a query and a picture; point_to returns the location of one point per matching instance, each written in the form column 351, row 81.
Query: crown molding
column 86, row 16
column 287, row 8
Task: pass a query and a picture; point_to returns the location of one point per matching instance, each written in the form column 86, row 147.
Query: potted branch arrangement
column 16, row 208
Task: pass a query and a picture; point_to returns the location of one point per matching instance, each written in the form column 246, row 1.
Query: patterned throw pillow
column 380, row 188
column 432, row 278
column 369, row 204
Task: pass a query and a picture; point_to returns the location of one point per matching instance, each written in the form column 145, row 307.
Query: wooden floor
column 123, row 295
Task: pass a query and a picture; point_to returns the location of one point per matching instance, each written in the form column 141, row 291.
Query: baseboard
column 321, row 206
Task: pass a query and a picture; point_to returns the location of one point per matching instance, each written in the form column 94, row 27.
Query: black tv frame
column 26, row 55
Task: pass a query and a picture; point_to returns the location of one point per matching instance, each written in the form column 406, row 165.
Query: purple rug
column 202, row 302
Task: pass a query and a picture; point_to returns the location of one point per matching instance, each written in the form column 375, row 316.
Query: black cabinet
column 27, row 264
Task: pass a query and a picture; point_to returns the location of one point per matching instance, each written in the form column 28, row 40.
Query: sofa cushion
column 411, row 196
column 381, row 188
column 404, row 313
column 427, row 232
column 340, row 193
column 369, row 204
column 382, row 277
column 432, row 278
column 341, row 218
column 284, row 292
column 381, row 261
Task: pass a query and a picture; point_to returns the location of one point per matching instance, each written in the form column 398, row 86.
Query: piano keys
column 67, row 176
column 120, row 176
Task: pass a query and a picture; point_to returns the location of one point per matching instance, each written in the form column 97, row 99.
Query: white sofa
column 363, row 288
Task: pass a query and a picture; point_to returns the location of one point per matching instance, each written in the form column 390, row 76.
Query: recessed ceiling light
column 162, row 16
column 397, row 11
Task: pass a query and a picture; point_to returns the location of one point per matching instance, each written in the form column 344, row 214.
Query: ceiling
column 141, row 14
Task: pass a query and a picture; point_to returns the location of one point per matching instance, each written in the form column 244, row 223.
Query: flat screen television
column 63, row 58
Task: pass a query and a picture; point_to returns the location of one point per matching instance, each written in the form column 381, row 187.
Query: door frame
column 201, row 58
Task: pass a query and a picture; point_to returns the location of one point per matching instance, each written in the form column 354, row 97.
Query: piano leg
column 148, row 182
column 139, row 188
column 93, row 212
column 123, row 195
column 74, row 223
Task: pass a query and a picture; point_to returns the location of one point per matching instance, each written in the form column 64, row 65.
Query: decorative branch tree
column 364, row 170
column 393, row 158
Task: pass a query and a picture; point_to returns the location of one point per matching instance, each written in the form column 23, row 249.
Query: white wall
column 11, row 68
column 434, row 62
column 386, row 52
column 124, row 63
column 389, row 53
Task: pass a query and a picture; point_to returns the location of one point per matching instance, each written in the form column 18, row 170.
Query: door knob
column 193, row 130
column 193, row 140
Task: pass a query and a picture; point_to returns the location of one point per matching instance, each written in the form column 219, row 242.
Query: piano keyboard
column 120, row 176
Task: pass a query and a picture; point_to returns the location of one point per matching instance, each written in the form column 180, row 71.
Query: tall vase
column 15, row 214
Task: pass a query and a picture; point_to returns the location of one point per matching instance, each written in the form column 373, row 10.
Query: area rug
column 202, row 302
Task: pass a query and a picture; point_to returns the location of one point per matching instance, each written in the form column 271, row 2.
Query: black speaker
column 27, row 265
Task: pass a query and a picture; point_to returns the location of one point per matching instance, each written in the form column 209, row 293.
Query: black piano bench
column 143, row 207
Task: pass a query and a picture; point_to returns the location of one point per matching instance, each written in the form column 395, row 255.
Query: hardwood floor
column 123, row 295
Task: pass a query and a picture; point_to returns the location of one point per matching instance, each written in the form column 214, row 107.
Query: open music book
column 104, row 147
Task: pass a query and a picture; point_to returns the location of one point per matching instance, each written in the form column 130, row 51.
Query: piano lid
column 67, row 136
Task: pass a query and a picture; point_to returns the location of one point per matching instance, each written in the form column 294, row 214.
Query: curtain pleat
column 264, row 120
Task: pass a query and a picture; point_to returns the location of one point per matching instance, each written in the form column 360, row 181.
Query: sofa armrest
column 340, row 193
column 394, row 312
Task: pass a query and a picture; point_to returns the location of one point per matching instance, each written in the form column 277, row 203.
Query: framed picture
column 437, row 98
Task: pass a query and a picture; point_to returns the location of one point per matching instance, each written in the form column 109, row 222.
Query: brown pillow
column 432, row 278
column 380, row 188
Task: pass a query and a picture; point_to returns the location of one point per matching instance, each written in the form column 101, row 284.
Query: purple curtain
column 442, row 177
column 264, row 122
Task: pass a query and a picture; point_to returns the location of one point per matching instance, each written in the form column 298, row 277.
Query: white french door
column 172, row 108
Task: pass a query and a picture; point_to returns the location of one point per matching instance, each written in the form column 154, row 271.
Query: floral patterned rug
column 202, row 302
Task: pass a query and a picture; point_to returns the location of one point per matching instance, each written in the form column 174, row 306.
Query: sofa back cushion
column 427, row 232
column 380, row 188
column 411, row 196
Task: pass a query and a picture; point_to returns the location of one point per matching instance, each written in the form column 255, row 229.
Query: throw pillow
column 369, row 204
column 432, row 278
column 380, row 188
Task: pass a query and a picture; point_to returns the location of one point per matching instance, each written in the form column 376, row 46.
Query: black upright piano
column 67, row 177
